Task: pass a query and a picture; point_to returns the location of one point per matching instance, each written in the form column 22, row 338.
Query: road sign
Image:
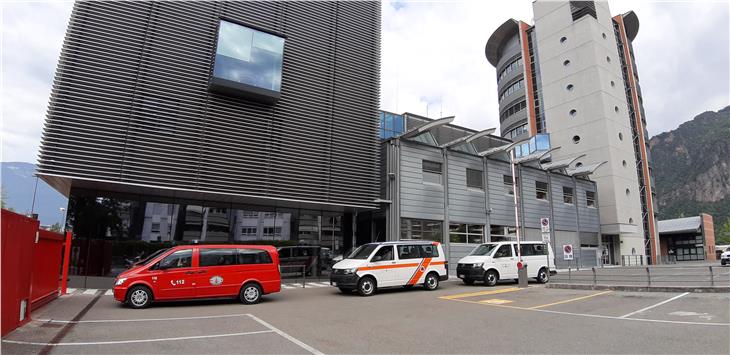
column 546, row 237
column 567, row 252
column 545, row 225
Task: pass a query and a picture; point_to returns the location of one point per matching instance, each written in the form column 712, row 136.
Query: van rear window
column 223, row 257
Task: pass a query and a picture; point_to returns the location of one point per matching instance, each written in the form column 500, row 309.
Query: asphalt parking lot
column 453, row 319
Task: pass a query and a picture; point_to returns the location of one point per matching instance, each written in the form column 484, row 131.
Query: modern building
column 214, row 121
column 572, row 74
column 452, row 184
column 688, row 239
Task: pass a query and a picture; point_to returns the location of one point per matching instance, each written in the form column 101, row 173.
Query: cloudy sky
column 433, row 61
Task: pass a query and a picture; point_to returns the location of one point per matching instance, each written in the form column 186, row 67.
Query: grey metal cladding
column 130, row 102
column 533, row 208
column 501, row 203
column 466, row 205
column 565, row 218
column 589, row 220
column 419, row 200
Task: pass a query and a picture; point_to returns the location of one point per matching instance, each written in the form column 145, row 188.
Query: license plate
column 461, row 276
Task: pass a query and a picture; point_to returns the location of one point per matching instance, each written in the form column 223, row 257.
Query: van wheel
column 431, row 282
column 139, row 297
column 543, row 276
column 468, row 282
column 491, row 278
column 366, row 286
column 250, row 293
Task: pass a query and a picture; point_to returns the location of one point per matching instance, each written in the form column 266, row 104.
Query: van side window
column 429, row 251
column 253, row 256
column 504, row 251
column 178, row 259
column 217, row 257
column 385, row 253
column 533, row 249
column 409, row 252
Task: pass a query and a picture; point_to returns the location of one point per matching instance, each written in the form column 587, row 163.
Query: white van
column 391, row 264
column 491, row 262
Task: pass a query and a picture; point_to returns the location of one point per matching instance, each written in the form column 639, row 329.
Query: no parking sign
column 567, row 252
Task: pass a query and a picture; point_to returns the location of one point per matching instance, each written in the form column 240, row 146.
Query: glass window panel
column 217, row 257
column 398, row 125
column 388, row 121
column 248, row 56
column 178, row 259
column 474, row 179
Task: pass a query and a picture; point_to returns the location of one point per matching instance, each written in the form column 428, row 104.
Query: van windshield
column 484, row 249
column 363, row 251
column 150, row 257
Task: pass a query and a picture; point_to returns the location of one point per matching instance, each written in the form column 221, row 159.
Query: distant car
column 314, row 259
column 201, row 271
column 725, row 257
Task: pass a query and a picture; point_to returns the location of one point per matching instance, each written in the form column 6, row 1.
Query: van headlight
column 349, row 271
column 476, row 266
column 120, row 281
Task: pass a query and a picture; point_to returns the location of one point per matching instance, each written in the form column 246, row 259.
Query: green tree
column 3, row 200
column 722, row 234
column 56, row 227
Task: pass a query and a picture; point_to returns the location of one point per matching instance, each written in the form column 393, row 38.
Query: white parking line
column 70, row 290
column 109, row 292
column 140, row 319
column 317, row 284
column 287, row 336
column 91, row 291
column 655, row 305
column 287, row 287
column 137, row 340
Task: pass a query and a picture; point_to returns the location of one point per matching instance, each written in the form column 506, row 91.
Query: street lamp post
column 62, row 210
column 521, row 267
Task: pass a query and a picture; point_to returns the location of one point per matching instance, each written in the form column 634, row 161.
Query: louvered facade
column 131, row 110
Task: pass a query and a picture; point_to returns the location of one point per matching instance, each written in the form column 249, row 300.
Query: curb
column 696, row 289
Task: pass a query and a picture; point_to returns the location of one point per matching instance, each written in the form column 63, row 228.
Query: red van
column 201, row 271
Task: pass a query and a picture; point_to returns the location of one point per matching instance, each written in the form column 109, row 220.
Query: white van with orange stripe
column 391, row 264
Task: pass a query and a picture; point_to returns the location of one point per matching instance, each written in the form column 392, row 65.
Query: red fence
column 31, row 261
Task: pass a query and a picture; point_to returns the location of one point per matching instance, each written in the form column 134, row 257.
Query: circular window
column 631, row 221
column 624, row 163
column 576, row 139
column 620, row 136
column 612, row 83
column 566, row 63
column 628, row 192
column 563, row 39
column 573, row 113
column 578, row 164
column 615, row 109
column 569, row 87
column 604, row 35
column 608, row 59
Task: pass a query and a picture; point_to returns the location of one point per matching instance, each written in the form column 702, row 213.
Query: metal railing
column 632, row 260
column 649, row 276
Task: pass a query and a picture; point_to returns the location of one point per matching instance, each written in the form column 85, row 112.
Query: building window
column 517, row 131
column 516, row 108
column 624, row 163
column 590, row 198
column 247, row 61
column 420, row 229
column 573, row 113
column 620, row 136
column 568, row 195
column 155, row 228
column 466, row 233
column 474, row 179
column 502, row 233
column 509, row 68
column 566, row 63
column 431, row 172
column 576, row 139
column 541, row 190
column 569, row 87
column 563, row 40
column 391, row 125
column 507, row 180
column 512, row 89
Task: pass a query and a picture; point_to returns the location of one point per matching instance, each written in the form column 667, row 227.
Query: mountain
column 18, row 183
column 692, row 168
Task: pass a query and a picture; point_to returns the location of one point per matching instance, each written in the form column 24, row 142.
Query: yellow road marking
column 571, row 300
column 481, row 293
column 495, row 301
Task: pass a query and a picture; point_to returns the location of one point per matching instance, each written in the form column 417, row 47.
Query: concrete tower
column 572, row 75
